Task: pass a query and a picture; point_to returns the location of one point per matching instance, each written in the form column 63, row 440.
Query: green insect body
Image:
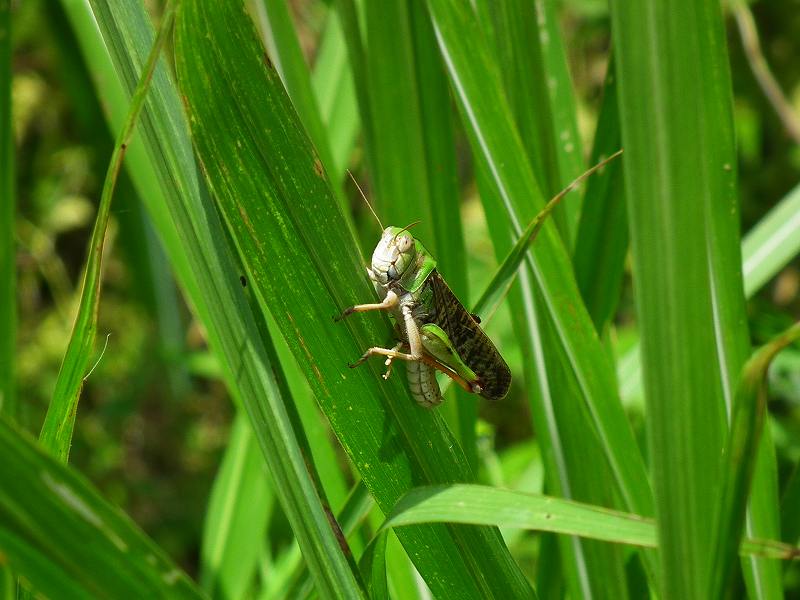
column 435, row 331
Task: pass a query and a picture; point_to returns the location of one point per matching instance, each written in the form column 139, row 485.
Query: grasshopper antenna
column 407, row 227
column 363, row 197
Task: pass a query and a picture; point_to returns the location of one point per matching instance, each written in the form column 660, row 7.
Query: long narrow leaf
column 682, row 206
column 304, row 269
column 56, row 433
column 57, row 531
column 218, row 297
column 602, row 239
column 578, row 355
column 237, row 515
column 333, row 85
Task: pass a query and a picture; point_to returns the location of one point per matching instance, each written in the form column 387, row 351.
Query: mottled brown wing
column 472, row 344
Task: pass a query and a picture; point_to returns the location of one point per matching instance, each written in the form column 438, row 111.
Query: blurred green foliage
column 151, row 440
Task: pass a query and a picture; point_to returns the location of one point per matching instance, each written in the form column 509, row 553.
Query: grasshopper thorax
column 393, row 255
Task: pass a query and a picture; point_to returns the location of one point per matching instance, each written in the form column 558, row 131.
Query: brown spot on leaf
column 309, row 356
column 268, row 61
column 318, row 168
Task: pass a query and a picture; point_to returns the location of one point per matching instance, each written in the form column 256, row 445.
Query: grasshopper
column 435, row 331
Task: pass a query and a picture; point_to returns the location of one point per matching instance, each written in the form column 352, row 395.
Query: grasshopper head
column 393, row 255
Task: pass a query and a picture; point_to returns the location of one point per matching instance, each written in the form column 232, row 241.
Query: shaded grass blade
column 739, row 459
column 602, row 239
column 237, row 515
column 681, row 196
column 8, row 211
column 58, row 532
column 304, row 269
column 56, row 434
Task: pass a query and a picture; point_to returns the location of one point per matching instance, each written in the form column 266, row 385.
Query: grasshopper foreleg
column 388, row 303
column 414, row 341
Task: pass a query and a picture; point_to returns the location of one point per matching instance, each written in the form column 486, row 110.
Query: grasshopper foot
column 361, row 360
column 346, row 312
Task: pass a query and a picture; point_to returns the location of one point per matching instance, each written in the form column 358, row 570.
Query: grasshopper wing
column 473, row 345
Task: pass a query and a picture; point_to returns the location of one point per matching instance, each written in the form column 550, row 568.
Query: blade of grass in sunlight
column 56, row 434
column 680, row 181
column 529, row 50
column 575, row 358
column 333, row 85
column 304, row 269
column 512, row 509
column 58, row 532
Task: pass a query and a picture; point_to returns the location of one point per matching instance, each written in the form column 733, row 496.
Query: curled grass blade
column 739, row 459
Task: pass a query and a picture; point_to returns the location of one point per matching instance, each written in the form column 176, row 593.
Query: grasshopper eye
column 404, row 243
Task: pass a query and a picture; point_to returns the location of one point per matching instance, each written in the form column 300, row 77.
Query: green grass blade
column 766, row 249
column 739, row 460
column 332, row 80
column 221, row 305
column 56, row 434
column 397, row 156
column 681, row 196
column 58, row 532
column 506, row 508
column 304, row 267
column 503, row 277
column 602, row 240
column 477, row 504
column 353, row 513
column 8, row 211
column 284, row 49
column 529, row 50
column 577, row 356
column 114, row 99
column 237, row 515
column 772, row 243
